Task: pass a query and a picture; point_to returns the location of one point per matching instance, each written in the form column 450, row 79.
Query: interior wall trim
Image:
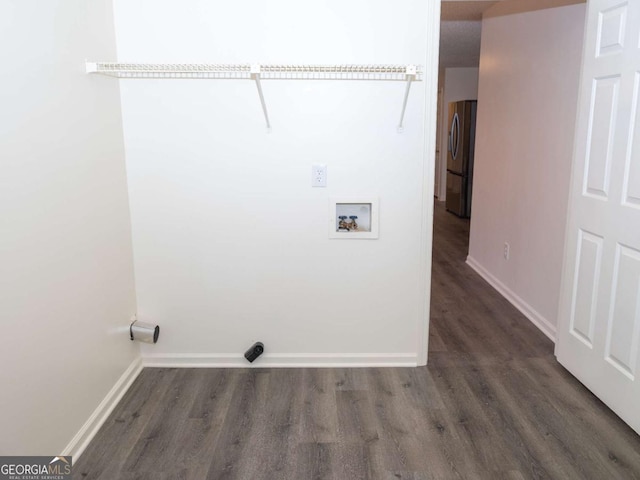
column 429, row 120
column 281, row 360
column 80, row 441
column 545, row 326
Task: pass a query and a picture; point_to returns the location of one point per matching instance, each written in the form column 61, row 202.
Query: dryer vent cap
column 254, row 351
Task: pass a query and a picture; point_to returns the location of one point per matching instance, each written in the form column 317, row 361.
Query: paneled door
column 599, row 315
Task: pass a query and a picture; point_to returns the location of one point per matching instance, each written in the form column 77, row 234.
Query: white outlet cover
column 318, row 175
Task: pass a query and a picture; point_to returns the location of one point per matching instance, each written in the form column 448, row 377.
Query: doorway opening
column 458, row 72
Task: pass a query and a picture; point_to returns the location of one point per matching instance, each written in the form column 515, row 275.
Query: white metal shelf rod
column 410, row 76
column 255, row 74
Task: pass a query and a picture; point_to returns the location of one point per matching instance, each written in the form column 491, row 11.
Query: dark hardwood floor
column 493, row 403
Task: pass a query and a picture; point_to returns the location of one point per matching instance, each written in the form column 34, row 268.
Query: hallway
column 492, row 404
column 508, row 399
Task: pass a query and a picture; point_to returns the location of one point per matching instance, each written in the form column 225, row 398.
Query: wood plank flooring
column 493, row 403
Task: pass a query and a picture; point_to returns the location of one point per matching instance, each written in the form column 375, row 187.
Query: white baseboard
column 80, row 441
column 283, row 360
column 527, row 310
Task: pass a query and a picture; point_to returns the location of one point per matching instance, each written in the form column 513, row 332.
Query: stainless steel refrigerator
column 462, row 138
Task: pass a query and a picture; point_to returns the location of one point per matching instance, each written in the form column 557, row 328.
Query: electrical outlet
column 318, row 175
column 507, row 249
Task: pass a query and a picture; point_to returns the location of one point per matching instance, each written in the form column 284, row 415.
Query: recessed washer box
column 355, row 217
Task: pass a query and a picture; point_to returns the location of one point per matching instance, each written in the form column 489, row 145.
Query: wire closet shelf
column 245, row 71
column 258, row 72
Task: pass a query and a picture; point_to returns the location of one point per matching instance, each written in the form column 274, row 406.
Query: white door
column 599, row 316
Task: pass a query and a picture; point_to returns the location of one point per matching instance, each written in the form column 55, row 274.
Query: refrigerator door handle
column 451, row 135
column 455, row 132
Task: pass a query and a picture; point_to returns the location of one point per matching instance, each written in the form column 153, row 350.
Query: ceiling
column 460, row 28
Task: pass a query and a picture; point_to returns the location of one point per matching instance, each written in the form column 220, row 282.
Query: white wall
column 230, row 240
column 66, row 260
column 459, row 84
column 529, row 71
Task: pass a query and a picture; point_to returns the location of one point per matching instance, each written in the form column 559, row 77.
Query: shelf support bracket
column 255, row 75
column 410, row 75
